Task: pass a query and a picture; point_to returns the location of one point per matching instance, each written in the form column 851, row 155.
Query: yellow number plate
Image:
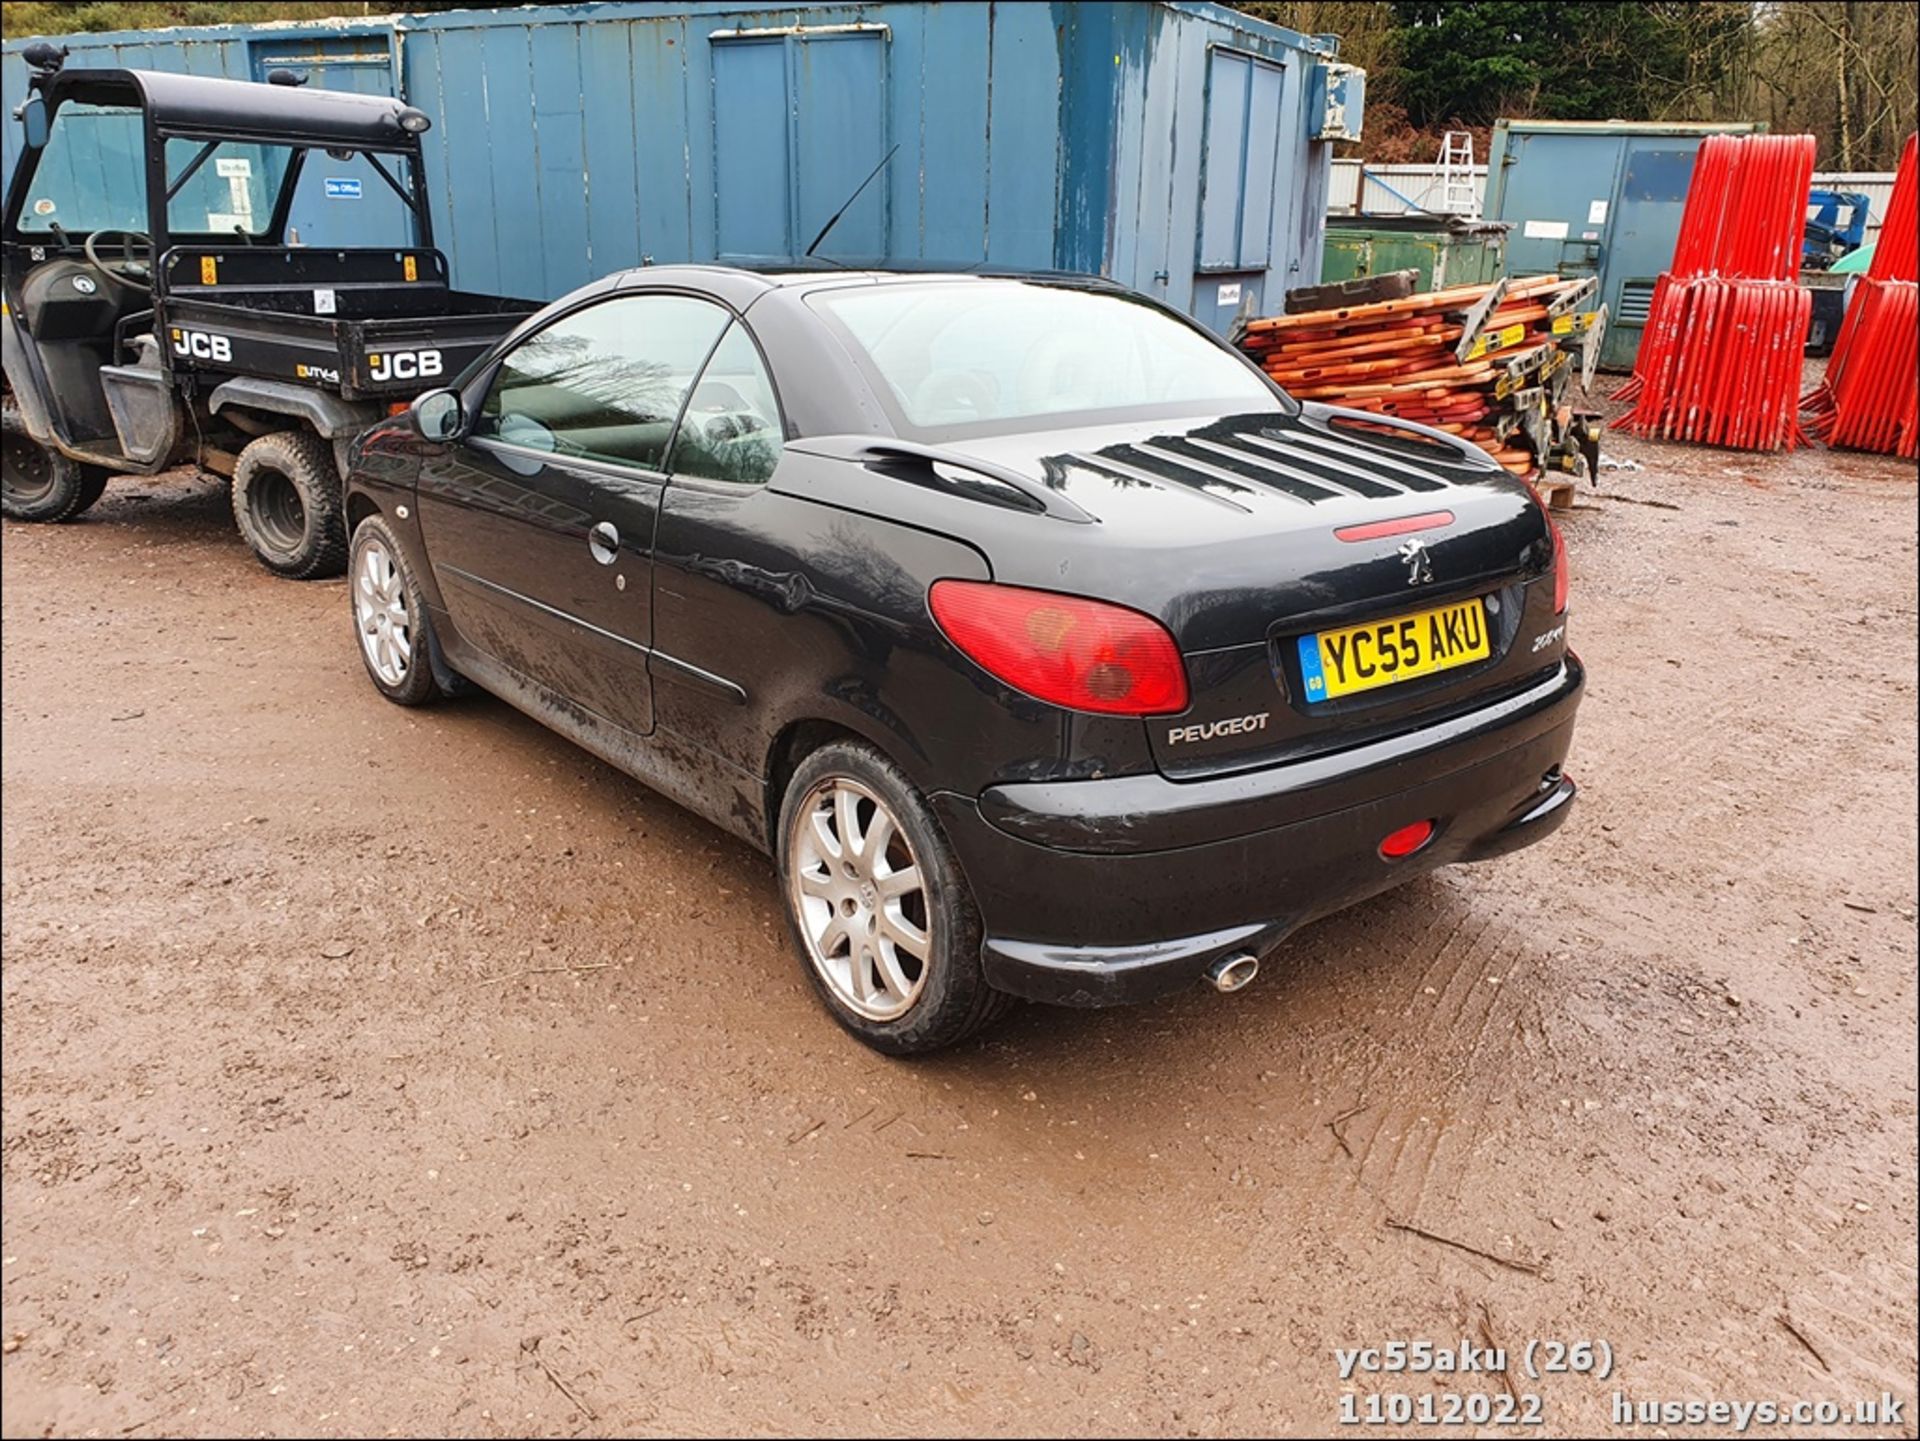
column 1383, row 652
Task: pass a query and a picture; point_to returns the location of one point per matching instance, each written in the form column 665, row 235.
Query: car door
column 723, row 587
column 539, row 522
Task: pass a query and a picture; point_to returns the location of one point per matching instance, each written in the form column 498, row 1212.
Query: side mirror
column 35, row 121
column 437, row 415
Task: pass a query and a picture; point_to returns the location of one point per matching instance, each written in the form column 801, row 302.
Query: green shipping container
column 1445, row 249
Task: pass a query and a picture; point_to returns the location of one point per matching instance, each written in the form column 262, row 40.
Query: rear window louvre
column 1175, row 471
column 1311, row 469
column 1331, row 450
column 1384, row 433
column 1343, row 464
column 1107, row 465
column 1263, row 470
column 1176, row 450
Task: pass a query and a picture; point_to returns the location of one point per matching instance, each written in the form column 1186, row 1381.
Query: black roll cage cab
column 213, row 111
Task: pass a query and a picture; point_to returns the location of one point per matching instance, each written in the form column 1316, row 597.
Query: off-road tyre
column 38, row 484
column 287, row 503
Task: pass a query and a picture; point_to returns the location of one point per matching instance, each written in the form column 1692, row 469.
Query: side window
column 732, row 428
column 604, row 383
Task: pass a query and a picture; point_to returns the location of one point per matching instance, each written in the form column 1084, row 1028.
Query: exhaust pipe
column 1233, row 973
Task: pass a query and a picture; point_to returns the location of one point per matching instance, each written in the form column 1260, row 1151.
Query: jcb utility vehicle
column 162, row 308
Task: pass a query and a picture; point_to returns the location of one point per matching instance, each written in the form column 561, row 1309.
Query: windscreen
column 955, row 356
column 90, row 176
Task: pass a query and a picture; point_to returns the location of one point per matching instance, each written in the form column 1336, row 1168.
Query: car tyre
column 391, row 630
column 287, row 505
column 856, row 911
column 38, row 484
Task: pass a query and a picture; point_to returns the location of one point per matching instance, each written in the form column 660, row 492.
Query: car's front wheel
column 878, row 905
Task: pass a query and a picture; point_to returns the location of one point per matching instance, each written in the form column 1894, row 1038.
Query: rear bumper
column 1105, row 892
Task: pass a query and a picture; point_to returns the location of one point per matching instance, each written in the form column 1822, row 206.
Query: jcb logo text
column 202, row 346
column 404, row 365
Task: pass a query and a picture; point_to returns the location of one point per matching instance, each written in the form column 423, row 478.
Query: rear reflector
column 1064, row 649
column 1405, row 525
column 1405, row 841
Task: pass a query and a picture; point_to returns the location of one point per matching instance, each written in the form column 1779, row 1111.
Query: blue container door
column 1238, row 161
column 1559, row 198
column 341, row 202
column 799, row 121
column 752, row 189
column 1641, row 236
column 840, row 135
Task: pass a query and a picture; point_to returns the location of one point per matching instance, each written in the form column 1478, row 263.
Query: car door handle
column 604, row 542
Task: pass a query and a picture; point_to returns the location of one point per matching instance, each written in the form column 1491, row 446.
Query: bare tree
column 1843, row 70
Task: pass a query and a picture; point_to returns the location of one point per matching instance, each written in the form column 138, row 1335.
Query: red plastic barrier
column 1895, row 258
column 1870, row 399
column 1871, row 394
column 1746, row 207
column 1719, row 361
column 1720, row 364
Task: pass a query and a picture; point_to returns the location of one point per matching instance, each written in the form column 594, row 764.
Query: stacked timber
column 1488, row 363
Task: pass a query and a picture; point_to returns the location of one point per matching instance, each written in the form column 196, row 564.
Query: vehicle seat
column 71, row 300
column 71, row 311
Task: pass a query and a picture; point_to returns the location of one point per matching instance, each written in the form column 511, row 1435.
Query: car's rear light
column 1561, row 579
column 1064, row 649
column 1560, row 576
column 1405, row 841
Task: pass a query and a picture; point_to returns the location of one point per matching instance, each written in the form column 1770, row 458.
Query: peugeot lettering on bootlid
column 1239, row 725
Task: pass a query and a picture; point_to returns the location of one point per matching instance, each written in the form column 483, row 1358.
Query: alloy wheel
column 380, row 614
column 862, row 899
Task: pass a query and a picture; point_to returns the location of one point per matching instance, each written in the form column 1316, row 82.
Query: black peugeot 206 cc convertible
column 1049, row 649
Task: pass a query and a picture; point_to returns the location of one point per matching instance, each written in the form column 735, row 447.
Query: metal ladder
column 1458, row 194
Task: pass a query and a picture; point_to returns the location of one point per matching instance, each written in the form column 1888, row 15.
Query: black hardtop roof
column 241, row 109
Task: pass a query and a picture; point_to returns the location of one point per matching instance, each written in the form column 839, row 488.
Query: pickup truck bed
column 362, row 324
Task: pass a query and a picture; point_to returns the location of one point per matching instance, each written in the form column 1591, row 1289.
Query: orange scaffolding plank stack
column 1870, row 399
column 1488, row 363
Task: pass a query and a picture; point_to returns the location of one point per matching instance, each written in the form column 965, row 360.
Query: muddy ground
column 370, row 1071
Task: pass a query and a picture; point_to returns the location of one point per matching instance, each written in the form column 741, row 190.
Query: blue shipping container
column 1601, row 198
column 1180, row 148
